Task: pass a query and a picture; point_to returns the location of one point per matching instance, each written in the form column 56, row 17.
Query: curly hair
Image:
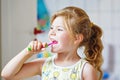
column 77, row 21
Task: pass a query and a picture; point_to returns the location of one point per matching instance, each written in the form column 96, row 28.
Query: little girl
column 70, row 29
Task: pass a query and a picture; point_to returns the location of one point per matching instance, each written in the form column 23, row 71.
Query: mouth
column 54, row 42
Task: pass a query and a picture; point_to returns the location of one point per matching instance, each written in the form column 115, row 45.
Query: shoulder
column 48, row 60
column 89, row 72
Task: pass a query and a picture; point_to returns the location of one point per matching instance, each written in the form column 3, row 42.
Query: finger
column 35, row 45
column 39, row 45
column 30, row 46
column 44, row 45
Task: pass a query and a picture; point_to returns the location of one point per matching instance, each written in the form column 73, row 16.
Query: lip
column 53, row 41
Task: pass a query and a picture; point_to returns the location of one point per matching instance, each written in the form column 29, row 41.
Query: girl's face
column 60, row 34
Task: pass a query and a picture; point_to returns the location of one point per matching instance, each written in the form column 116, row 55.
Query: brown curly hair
column 77, row 21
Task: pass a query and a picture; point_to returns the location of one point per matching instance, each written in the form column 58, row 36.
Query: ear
column 78, row 38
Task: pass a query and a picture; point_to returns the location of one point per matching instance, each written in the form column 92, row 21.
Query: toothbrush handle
column 30, row 48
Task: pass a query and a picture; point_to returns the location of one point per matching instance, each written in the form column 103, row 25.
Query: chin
column 54, row 51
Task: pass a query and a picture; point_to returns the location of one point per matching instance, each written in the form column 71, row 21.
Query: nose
column 52, row 32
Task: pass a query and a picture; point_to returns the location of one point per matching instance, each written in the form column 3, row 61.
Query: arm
column 17, row 68
column 89, row 72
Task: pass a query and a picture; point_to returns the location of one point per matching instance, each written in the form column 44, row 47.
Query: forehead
column 58, row 21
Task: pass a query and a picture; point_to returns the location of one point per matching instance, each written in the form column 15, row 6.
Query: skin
column 66, row 50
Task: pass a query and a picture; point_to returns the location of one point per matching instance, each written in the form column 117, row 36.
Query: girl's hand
column 36, row 46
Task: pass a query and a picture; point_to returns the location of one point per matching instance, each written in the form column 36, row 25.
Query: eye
column 51, row 27
column 59, row 29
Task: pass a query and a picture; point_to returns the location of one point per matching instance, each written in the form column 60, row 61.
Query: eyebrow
column 57, row 26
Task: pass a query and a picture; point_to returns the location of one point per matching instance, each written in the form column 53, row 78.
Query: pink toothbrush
column 53, row 42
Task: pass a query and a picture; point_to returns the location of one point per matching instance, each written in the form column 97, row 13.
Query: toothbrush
column 53, row 42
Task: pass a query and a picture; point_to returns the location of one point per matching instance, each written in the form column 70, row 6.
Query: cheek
column 65, row 39
column 48, row 35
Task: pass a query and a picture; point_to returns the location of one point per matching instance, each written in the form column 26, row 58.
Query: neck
column 68, row 56
column 66, row 59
